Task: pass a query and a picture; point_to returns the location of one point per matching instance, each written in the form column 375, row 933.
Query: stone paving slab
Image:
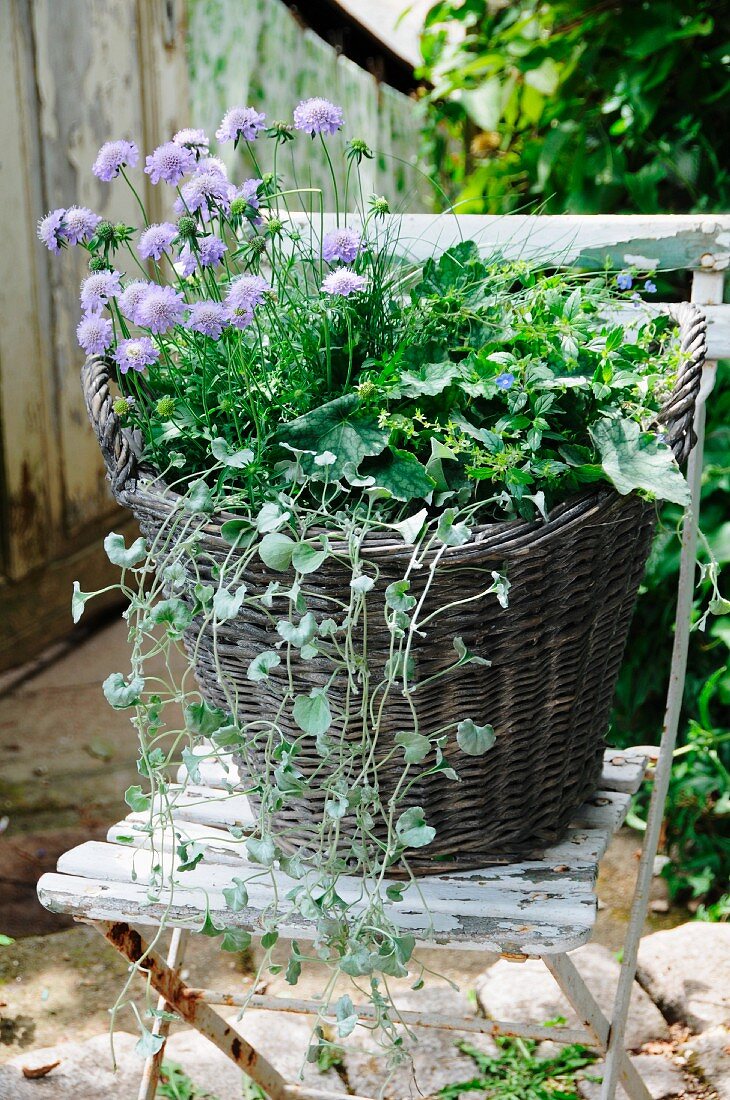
column 663, row 1078
column 686, row 971
column 709, row 1055
column 527, row 991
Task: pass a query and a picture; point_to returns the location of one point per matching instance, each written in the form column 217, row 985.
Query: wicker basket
column 555, row 653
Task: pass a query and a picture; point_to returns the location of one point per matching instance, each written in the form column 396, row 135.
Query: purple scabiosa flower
column 156, row 239
column 207, row 317
column 318, row 116
column 135, row 354
column 650, row 287
column 213, row 164
column 94, row 333
column 239, row 122
column 244, row 294
column 112, row 157
column 624, row 281
column 249, row 192
column 208, row 253
column 50, row 230
column 97, row 289
column 131, row 297
column 160, row 309
column 195, row 140
column 169, row 162
column 342, row 282
column 79, row 224
column 206, row 189
column 341, row 244
column 504, row 381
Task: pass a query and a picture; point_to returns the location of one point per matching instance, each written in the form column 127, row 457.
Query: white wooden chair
column 543, row 907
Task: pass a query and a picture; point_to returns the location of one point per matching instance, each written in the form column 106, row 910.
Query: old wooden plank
column 98, row 899
column 662, row 242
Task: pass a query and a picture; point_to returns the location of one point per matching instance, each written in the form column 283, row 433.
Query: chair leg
column 161, row 1026
column 590, row 1013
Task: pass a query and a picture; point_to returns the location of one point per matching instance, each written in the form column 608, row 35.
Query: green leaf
column 78, row 601
column 397, row 596
column 269, row 939
column 199, row 498
column 148, row 1043
column 402, row 475
column 299, row 634
column 357, row 962
column 346, row 1016
column 121, row 693
column 415, row 744
column 271, row 517
column 632, row 460
column 362, row 584
column 340, row 427
column 262, row 665
column 312, row 712
column 276, row 550
column 474, row 740
column 203, row 719
column 261, row 851
column 431, row 379
column 409, row 529
column 450, row 533
column 412, row 830
column 191, row 762
column 236, row 939
column 230, row 457
column 227, row 605
column 118, row 554
column 236, row 531
column 236, row 896
column 174, row 613
column 306, row 558
column 136, row 799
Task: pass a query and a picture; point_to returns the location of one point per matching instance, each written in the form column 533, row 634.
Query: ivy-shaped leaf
column 261, row 851
column 236, row 896
column 136, row 799
column 78, row 601
column 312, row 712
column 227, row 605
column 346, row 1016
column 199, row 498
column 118, row 554
column 474, row 740
column 298, row 634
column 203, row 719
column 412, row 830
column 262, row 665
column 121, row 693
column 235, row 939
column 397, row 596
column 415, row 745
column 174, row 613
column 230, row 457
column 430, row 379
column 307, row 558
column 450, row 533
column 275, row 550
column 632, row 460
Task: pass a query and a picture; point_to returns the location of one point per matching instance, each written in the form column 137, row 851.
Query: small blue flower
column 504, row 380
column 636, row 300
column 624, row 281
column 650, row 287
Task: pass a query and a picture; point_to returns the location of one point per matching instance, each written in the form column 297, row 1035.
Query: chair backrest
column 699, row 243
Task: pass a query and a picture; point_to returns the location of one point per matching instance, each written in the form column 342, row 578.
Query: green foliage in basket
column 318, row 389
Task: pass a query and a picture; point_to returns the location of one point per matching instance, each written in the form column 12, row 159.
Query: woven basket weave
column 555, row 653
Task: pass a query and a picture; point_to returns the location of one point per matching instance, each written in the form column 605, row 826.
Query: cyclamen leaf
column 261, row 851
column 271, row 516
column 119, row 693
column 148, row 1043
column 276, row 551
column 236, row 939
column 228, row 604
column 223, row 451
column 361, row 584
column 474, row 740
column 412, row 830
column 312, row 713
column 340, row 427
column 118, row 554
column 632, row 460
column 262, row 665
column 300, row 634
column 174, row 613
column 403, row 476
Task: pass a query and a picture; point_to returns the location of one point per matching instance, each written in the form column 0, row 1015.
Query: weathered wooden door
column 73, row 74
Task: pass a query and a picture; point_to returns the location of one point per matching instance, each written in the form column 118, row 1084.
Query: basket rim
column 498, row 537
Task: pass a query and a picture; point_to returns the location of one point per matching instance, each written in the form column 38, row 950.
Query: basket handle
column 119, row 458
column 677, row 412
